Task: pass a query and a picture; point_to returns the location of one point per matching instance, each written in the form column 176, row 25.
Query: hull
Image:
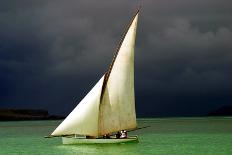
column 73, row 140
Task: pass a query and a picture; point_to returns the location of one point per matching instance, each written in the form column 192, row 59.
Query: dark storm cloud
column 52, row 53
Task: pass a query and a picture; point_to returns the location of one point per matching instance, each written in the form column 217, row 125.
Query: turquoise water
column 206, row 136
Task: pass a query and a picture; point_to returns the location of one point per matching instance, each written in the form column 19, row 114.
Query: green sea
column 174, row 136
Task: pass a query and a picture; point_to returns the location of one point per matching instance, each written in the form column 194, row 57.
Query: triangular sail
column 117, row 107
column 83, row 119
column 110, row 105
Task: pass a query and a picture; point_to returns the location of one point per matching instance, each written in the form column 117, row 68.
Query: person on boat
column 123, row 134
column 118, row 135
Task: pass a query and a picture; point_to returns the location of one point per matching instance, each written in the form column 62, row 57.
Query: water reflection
column 100, row 149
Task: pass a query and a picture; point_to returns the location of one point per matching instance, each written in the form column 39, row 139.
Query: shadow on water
column 100, row 149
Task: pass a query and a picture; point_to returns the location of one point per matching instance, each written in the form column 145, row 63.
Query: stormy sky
column 52, row 52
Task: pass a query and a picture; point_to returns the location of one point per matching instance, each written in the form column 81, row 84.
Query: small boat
column 109, row 108
column 111, row 140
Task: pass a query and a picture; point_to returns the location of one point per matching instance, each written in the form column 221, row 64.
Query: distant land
column 222, row 111
column 26, row 114
column 40, row 114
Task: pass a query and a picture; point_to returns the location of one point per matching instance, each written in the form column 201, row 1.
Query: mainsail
column 110, row 105
column 117, row 107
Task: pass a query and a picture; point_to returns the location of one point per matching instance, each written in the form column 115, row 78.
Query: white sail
column 117, row 107
column 110, row 105
column 83, row 119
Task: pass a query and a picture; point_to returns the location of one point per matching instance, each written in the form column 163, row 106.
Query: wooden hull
column 73, row 140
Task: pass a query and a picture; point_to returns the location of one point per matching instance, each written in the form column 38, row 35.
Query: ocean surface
column 180, row 136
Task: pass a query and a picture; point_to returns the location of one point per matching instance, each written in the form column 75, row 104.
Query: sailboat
column 109, row 108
